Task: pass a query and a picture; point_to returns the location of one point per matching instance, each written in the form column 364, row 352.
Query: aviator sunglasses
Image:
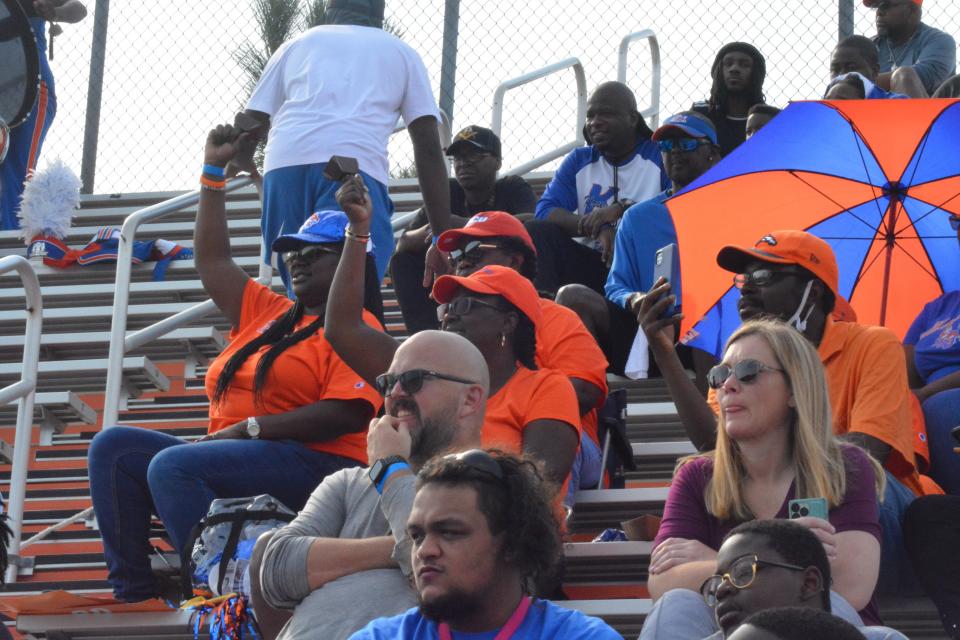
column 745, row 371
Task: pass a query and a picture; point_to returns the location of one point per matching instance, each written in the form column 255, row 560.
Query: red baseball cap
column 787, row 247
column 486, row 224
column 873, row 3
column 494, row 280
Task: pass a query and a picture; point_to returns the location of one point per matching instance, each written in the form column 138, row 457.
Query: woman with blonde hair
column 775, row 443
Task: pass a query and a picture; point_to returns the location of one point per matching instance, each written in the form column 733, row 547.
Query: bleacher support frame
column 653, row 111
column 24, row 391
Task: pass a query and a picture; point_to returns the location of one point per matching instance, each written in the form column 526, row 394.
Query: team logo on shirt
column 596, row 198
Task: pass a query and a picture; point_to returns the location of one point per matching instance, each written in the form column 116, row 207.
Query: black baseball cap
column 477, row 137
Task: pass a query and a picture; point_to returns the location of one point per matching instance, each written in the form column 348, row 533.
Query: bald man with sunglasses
column 345, row 559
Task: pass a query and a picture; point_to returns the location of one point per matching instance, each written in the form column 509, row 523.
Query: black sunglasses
column 308, row 253
column 745, row 371
column 463, row 306
column 473, row 251
column 761, row 277
column 955, row 222
column 412, row 381
column 479, row 461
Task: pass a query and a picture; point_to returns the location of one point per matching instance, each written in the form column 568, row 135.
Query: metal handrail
column 120, row 343
column 647, row 34
column 497, row 120
column 23, row 391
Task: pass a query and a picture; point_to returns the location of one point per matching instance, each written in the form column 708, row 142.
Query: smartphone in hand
column 666, row 265
column 340, row 167
column 802, row 507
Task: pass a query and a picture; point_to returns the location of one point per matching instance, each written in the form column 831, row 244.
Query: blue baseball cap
column 689, row 123
column 323, row 227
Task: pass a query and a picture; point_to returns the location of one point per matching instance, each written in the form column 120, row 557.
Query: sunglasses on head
column 683, row 144
column 760, row 277
column 745, row 371
column 308, row 253
column 472, row 251
column 482, row 464
column 412, row 381
column 462, row 307
column 742, row 574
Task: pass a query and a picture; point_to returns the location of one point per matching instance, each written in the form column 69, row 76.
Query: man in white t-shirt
column 338, row 89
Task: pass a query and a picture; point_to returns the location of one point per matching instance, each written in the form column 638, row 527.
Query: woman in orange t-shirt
column 285, row 410
column 530, row 410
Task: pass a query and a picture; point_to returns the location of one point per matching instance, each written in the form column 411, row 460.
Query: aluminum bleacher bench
column 596, row 510
column 53, row 411
column 99, row 273
column 204, row 342
column 172, row 625
column 139, row 373
column 606, row 561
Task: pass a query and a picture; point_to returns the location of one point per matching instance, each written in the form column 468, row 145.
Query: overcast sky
column 169, row 73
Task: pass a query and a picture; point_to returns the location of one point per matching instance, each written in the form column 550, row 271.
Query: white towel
column 638, row 362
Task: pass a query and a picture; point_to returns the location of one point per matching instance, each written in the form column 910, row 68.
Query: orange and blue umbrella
column 876, row 179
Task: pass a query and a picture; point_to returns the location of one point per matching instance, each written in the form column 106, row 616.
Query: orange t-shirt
column 564, row 344
column 867, row 379
column 305, row 373
column 543, row 394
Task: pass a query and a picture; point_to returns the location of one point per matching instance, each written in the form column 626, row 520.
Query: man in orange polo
column 563, row 342
column 793, row 276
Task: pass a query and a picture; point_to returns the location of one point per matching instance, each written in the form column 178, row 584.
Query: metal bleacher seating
column 164, row 382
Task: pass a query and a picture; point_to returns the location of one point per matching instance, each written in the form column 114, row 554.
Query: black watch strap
column 379, row 468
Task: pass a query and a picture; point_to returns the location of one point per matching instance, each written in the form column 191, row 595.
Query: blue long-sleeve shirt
column 644, row 228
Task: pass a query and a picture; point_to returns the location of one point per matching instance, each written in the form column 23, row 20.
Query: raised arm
column 222, row 278
column 70, row 11
column 694, row 412
column 364, row 349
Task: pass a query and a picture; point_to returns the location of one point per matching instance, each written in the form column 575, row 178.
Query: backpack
column 216, row 559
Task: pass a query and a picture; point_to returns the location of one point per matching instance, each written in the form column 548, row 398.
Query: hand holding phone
column 666, row 265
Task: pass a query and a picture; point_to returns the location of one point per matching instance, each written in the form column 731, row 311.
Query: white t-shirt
column 339, row 90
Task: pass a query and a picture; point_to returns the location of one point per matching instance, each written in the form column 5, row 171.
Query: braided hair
column 280, row 336
column 718, row 92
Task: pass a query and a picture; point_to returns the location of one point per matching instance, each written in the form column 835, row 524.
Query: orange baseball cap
column 787, row 247
column 494, row 280
column 486, row 224
column 873, row 3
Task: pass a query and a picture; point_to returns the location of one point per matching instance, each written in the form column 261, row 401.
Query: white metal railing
column 120, row 342
column 497, row 120
column 652, row 113
column 23, row 391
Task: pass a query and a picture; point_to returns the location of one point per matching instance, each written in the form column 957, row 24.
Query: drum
column 20, row 71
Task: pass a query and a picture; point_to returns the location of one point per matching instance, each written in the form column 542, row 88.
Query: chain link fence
column 171, row 73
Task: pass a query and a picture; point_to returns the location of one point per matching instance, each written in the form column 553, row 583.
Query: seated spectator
column 476, row 160
column 949, row 89
column 563, row 343
column 758, row 117
column 800, row 623
column 774, row 444
column 931, row 532
column 285, row 411
column 345, row 559
column 904, row 42
column 578, row 214
column 853, row 86
column 793, row 276
column 859, row 54
column 738, row 73
column 483, row 532
column 933, row 366
column 761, row 565
column 531, row 410
column 688, row 144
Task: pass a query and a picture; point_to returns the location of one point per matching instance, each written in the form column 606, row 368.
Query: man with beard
column 482, row 531
column 738, row 73
column 345, row 559
column 577, row 215
column 688, row 144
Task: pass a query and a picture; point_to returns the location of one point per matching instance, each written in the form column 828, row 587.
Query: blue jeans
column 585, row 472
column 941, row 412
column 896, row 574
column 137, row 472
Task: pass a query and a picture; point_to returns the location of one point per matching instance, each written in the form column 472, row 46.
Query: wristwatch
column 379, row 468
column 253, row 428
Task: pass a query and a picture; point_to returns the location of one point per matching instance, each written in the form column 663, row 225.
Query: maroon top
column 685, row 514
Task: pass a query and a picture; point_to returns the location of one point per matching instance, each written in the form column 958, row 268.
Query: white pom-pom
column 50, row 199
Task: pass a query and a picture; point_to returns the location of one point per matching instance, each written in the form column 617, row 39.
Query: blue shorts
column 291, row 194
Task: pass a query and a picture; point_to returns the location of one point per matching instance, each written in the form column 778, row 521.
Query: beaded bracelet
column 212, row 185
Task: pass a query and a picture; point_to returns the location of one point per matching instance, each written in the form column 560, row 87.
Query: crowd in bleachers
column 433, row 478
